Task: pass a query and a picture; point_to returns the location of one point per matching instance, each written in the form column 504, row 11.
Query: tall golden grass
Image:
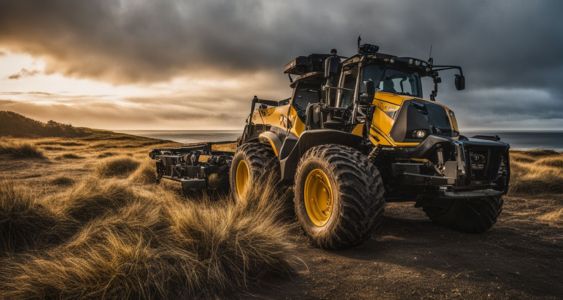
column 144, row 174
column 127, row 238
column 24, row 222
column 536, row 172
column 117, row 166
column 20, row 149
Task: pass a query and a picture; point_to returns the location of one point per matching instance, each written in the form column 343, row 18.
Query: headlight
column 478, row 160
column 419, row 134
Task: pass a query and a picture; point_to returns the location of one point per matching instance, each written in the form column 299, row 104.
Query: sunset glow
column 196, row 65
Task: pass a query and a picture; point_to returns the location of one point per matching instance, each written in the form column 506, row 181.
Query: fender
column 268, row 137
column 312, row 138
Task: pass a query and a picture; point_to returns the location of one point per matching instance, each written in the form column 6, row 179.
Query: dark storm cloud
column 505, row 46
column 133, row 40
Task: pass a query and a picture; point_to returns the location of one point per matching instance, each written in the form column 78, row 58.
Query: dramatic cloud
column 510, row 49
column 126, row 115
column 166, row 106
column 24, row 73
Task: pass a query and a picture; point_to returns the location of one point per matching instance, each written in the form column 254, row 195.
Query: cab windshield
column 393, row 80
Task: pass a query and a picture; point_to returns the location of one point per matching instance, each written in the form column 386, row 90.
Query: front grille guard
column 491, row 170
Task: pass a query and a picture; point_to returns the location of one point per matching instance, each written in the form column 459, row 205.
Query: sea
column 520, row 140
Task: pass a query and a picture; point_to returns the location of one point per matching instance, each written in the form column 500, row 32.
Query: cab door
column 347, row 92
column 304, row 93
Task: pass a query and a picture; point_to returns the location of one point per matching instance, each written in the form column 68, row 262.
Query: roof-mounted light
column 366, row 49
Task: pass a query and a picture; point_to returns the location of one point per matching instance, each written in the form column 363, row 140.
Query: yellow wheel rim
column 242, row 179
column 318, row 197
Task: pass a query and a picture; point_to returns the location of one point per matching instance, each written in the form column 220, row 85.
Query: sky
column 194, row 64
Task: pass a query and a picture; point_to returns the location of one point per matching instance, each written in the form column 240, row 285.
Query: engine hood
column 396, row 117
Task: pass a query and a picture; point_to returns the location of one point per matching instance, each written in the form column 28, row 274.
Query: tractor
column 355, row 134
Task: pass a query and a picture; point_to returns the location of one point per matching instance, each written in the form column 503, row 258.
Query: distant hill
column 16, row 125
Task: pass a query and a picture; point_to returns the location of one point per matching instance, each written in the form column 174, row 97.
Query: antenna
column 430, row 58
column 359, row 41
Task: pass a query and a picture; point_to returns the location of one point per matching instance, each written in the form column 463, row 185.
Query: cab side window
column 348, row 85
column 304, row 96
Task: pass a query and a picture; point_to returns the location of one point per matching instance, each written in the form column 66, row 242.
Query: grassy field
column 83, row 217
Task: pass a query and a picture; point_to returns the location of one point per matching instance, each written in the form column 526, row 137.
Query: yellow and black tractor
column 357, row 133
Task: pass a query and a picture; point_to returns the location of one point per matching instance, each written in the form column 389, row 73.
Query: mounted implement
column 355, row 134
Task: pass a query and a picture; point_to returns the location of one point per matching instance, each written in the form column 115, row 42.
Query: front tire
column 338, row 196
column 472, row 215
column 252, row 166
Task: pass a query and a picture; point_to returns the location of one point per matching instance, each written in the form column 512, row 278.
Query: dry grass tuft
column 156, row 245
column 145, row 173
column 69, row 156
column 539, row 152
column 115, row 268
column 61, row 143
column 20, row 150
column 63, row 181
column 117, row 167
column 106, row 154
column 94, row 198
column 521, row 157
column 53, row 148
column 540, row 177
column 556, row 162
column 23, row 221
column 555, row 217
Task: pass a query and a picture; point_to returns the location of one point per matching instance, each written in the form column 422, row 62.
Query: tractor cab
column 381, row 91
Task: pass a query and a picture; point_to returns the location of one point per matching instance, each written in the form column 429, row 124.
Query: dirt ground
column 409, row 257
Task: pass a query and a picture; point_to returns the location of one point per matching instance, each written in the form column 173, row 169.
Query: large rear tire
column 338, row 196
column 472, row 215
column 252, row 166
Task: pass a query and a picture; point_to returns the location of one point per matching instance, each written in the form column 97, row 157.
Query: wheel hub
column 242, row 179
column 318, row 197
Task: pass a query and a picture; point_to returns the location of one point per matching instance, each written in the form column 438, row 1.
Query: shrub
column 69, row 156
column 94, row 198
column 106, row 154
column 20, row 150
column 23, row 221
column 62, row 181
column 145, row 173
column 119, row 166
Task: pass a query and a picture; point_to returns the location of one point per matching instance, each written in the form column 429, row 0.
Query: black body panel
column 421, row 115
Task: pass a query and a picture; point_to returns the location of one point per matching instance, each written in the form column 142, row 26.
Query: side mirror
column 367, row 97
column 459, row 82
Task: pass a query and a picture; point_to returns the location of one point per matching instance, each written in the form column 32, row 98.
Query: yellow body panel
column 386, row 106
column 273, row 116
column 278, row 117
column 297, row 125
column 382, row 123
column 358, row 130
